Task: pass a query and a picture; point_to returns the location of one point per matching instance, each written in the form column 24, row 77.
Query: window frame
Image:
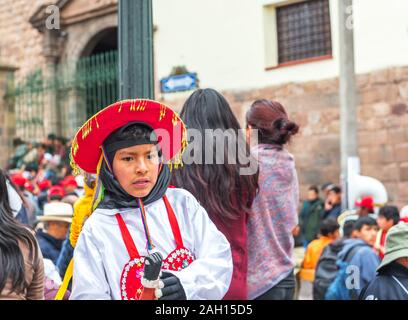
column 271, row 36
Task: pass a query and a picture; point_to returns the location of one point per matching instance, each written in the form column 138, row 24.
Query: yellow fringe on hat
column 177, row 160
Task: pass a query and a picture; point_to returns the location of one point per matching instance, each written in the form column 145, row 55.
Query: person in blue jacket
column 364, row 261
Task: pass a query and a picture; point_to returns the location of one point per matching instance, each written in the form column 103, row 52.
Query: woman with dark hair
column 21, row 263
column 226, row 195
column 274, row 211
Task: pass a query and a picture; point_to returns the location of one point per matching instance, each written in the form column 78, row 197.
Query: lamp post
column 136, row 78
column 347, row 92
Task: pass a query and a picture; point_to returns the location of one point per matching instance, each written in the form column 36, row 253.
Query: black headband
column 113, row 143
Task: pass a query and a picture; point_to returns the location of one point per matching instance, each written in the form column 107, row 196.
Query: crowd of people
column 223, row 235
column 41, row 192
column 345, row 251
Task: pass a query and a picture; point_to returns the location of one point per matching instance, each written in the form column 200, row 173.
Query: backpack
column 326, row 269
column 337, row 289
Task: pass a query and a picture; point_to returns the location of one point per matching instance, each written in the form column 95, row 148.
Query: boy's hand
column 153, row 264
column 170, row 288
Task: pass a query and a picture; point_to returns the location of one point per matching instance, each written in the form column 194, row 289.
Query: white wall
column 223, row 41
column 381, row 34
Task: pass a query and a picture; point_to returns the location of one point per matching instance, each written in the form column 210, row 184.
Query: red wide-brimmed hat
column 86, row 148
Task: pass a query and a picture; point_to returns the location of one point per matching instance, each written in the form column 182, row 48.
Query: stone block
column 403, row 91
column 381, row 109
column 396, row 135
column 399, row 109
column 401, row 152
column 404, row 172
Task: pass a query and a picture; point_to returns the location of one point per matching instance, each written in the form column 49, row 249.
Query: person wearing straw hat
column 56, row 220
column 135, row 218
column 391, row 281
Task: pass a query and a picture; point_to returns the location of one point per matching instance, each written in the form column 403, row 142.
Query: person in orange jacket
column 329, row 231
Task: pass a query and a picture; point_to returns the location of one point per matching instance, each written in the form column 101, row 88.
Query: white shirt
column 100, row 254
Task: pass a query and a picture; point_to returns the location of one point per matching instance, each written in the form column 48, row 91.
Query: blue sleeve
column 367, row 261
column 22, row 216
column 65, row 256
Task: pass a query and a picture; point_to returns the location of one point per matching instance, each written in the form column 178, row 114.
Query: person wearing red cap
column 365, row 206
column 55, row 193
column 44, row 185
column 19, row 180
column 29, row 186
column 70, row 185
column 136, row 219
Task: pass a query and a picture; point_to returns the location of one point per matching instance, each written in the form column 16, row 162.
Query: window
column 303, row 31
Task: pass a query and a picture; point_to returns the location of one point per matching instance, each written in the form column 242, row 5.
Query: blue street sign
column 182, row 82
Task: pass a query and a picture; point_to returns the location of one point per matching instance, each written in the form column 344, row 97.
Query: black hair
column 208, row 109
column 133, row 132
column 364, row 221
column 348, row 228
column 390, row 212
column 11, row 234
column 336, row 189
column 314, row 188
column 32, row 167
column 329, row 226
column 55, row 197
column 17, row 141
column 51, row 136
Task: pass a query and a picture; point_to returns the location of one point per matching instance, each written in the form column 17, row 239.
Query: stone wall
column 20, row 43
column 382, row 127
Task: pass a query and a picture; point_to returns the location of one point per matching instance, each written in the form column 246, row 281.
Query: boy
column 361, row 255
column 329, row 232
column 387, row 218
column 138, row 217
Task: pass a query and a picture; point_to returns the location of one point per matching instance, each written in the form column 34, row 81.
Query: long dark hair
column 272, row 122
column 218, row 187
column 12, row 266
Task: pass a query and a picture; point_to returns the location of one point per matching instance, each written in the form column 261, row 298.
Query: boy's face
column 367, row 234
column 384, row 224
column 334, row 198
column 137, row 168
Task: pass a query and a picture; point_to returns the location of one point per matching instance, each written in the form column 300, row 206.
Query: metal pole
column 136, row 79
column 347, row 92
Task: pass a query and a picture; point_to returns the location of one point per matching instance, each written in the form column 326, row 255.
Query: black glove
column 153, row 264
column 172, row 290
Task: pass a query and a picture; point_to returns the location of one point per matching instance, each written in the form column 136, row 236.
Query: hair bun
column 289, row 127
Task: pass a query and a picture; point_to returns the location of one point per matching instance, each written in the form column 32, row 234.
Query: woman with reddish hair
column 274, row 210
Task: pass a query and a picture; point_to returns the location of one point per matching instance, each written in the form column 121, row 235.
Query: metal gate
column 75, row 90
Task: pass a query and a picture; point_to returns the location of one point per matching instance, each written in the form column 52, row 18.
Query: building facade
column 286, row 50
